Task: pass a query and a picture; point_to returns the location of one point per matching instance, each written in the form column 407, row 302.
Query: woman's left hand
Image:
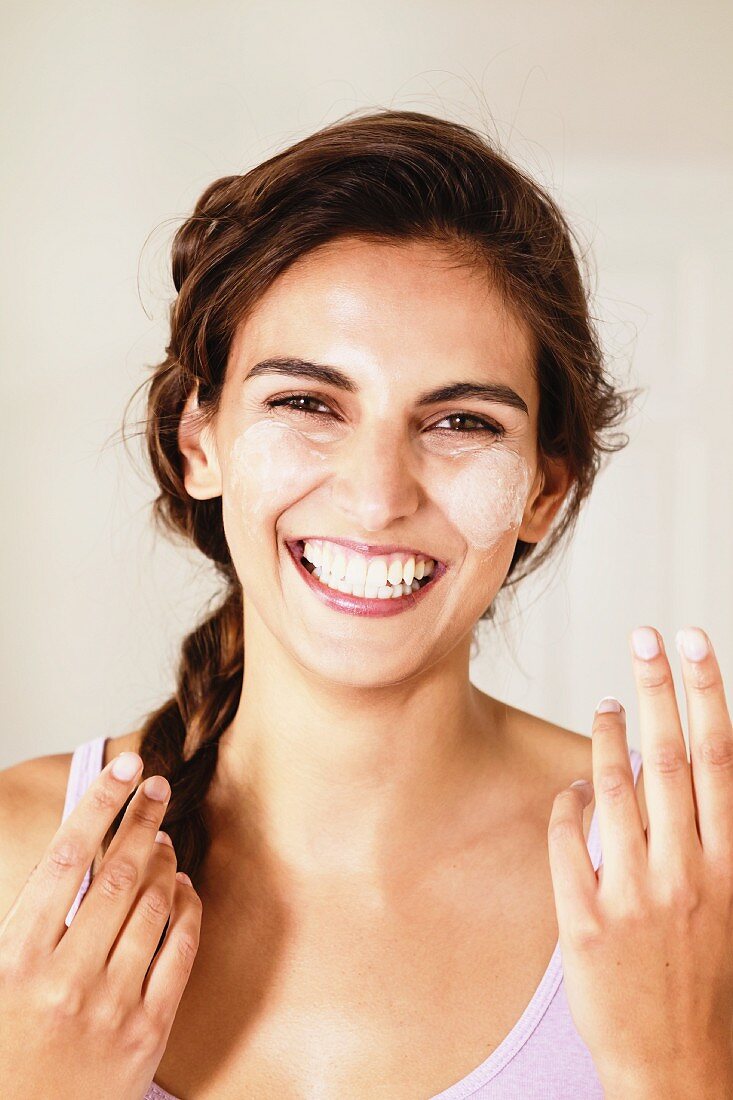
column 647, row 944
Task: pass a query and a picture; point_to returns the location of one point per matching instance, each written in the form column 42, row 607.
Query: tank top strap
column 594, row 834
column 87, row 761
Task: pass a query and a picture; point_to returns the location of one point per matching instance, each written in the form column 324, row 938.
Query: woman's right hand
column 83, row 1012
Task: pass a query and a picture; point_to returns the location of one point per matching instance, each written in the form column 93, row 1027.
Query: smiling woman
column 383, row 403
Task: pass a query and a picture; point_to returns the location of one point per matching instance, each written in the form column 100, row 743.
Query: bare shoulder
column 32, row 796
column 557, row 755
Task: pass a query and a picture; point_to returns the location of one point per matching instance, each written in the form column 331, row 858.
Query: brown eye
column 483, row 425
column 287, row 403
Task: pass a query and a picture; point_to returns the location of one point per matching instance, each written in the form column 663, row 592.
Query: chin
column 345, row 664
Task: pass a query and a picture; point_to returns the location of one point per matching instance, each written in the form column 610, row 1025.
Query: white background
column 116, row 116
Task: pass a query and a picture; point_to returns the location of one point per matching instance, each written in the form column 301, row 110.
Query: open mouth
column 384, row 599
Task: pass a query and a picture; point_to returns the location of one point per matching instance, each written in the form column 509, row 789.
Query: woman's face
column 369, row 461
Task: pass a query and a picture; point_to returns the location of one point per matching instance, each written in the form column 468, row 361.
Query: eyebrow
column 332, row 376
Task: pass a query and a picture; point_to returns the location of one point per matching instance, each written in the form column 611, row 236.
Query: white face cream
column 485, row 493
column 481, row 488
column 271, row 466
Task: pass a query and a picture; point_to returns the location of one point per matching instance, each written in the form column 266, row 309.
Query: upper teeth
column 341, row 563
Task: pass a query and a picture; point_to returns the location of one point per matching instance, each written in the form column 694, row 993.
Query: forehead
column 400, row 310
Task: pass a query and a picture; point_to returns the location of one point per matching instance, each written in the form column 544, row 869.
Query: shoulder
column 32, row 796
column 556, row 754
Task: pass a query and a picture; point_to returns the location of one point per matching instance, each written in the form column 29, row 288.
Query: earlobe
column 201, row 471
column 542, row 507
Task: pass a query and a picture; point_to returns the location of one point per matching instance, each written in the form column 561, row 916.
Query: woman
column 382, row 404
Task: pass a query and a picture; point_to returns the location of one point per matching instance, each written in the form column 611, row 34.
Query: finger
column 171, row 967
column 113, row 890
column 673, row 839
column 574, row 882
column 37, row 920
column 711, row 743
column 140, row 935
column 623, row 842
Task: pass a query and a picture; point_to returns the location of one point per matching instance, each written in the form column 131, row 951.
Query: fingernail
column 608, row 705
column 693, row 643
column 645, row 643
column 585, row 788
column 163, row 838
column 126, row 766
column 157, row 788
column 183, row 877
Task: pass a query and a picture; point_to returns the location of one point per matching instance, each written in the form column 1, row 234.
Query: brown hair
column 389, row 175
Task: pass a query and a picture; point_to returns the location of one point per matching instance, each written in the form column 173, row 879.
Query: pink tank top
column 542, row 1057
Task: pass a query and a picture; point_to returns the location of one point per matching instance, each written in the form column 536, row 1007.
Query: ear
column 544, row 502
column 201, row 472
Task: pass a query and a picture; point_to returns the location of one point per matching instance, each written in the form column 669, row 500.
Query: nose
column 376, row 481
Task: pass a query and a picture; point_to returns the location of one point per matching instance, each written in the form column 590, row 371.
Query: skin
column 397, row 319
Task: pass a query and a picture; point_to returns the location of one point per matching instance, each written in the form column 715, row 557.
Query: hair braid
column 180, row 739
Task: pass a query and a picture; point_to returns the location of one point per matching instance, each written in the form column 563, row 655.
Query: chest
column 337, row 993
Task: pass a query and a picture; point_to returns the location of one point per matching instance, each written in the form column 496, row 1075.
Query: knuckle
column 625, row 913
column 155, row 906
column 655, row 681
column 562, row 829
column 115, row 1021
column 144, row 814
column 704, row 680
column 149, row 1030
column 65, row 856
column 668, row 759
column 116, row 877
column 105, row 799
column 585, row 931
column 110, row 1011
column 681, row 896
column 613, row 783
column 186, row 946
column 606, row 723
column 146, row 1032
column 62, row 998
column 15, row 970
column 716, row 752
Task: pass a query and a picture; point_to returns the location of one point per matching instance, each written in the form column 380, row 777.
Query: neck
column 360, row 780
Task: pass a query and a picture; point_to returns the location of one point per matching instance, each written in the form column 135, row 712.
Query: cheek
column 486, row 495
column 270, row 466
column 273, row 465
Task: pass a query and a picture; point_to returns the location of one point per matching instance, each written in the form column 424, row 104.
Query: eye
column 483, row 425
column 293, row 397
column 290, row 402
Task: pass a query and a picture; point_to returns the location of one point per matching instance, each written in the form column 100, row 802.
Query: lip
column 357, row 605
column 364, row 547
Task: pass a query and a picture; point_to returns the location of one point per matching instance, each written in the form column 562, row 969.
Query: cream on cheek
column 483, row 493
column 271, row 466
column 482, row 490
